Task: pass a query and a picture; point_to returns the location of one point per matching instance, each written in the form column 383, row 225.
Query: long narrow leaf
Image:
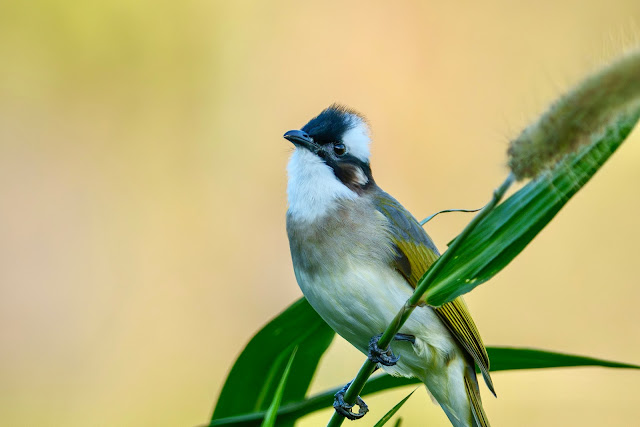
column 393, row 411
column 502, row 359
column 252, row 382
column 512, row 225
column 510, row 358
column 272, row 411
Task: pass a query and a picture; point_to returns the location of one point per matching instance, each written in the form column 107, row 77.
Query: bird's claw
column 377, row 355
column 345, row 409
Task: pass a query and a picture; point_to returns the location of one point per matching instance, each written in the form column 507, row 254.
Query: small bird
column 358, row 255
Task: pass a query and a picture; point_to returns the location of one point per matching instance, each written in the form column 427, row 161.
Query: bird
column 358, row 254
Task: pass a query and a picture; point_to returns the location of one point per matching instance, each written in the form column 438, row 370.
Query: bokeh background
column 142, row 193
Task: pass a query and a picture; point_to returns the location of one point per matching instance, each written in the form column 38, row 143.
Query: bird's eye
column 339, row 149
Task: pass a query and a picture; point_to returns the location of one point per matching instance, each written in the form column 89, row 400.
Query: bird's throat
column 313, row 190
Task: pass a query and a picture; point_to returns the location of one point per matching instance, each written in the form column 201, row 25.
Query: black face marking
column 351, row 171
column 330, row 124
column 327, row 129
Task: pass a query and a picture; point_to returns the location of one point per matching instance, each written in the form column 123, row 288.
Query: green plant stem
column 368, row 366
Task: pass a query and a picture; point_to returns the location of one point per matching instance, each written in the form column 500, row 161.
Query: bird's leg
column 344, row 409
column 386, row 357
column 376, row 355
column 405, row 337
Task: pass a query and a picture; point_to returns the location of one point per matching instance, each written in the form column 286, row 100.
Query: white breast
column 360, row 301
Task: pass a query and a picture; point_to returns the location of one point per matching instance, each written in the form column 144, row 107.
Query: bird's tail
column 473, row 394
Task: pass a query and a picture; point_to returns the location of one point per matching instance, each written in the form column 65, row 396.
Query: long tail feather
column 476, row 404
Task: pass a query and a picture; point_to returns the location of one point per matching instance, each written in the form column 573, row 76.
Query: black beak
column 301, row 139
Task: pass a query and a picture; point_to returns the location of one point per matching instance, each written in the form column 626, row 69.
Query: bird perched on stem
column 358, row 255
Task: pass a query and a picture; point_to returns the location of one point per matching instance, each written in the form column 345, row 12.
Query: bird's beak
column 301, row 139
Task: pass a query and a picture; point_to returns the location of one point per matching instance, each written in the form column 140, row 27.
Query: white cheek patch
column 361, row 178
column 357, row 139
column 313, row 190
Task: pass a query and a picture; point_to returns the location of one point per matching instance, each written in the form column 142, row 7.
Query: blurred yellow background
column 142, row 194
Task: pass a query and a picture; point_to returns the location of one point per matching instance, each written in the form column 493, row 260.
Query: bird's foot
column 405, row 337
column 386, row 357
column 345, row 409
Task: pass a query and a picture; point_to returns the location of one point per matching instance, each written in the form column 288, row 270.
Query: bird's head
column 330, row 162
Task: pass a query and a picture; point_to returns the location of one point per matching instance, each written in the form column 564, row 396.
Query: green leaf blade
column 272, row 411
column 502, row 358
column 393, row 411
column 511, row 358
column 513, row 224
column 253, row 380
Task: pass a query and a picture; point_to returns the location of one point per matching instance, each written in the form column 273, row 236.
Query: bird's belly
column 361, row 303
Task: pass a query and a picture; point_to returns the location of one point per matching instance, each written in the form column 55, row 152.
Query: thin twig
column 429, row 218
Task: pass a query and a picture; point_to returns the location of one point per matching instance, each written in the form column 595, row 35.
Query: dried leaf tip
column 577, row 117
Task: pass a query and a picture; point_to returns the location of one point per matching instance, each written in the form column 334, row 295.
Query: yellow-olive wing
column 415, row 254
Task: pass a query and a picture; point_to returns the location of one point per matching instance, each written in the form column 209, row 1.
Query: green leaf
column 502, row 358
column 506, row 359
column 393, row 411
column 510, row 358
column 510, row 227
column 272, row 411
column 252, row 382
